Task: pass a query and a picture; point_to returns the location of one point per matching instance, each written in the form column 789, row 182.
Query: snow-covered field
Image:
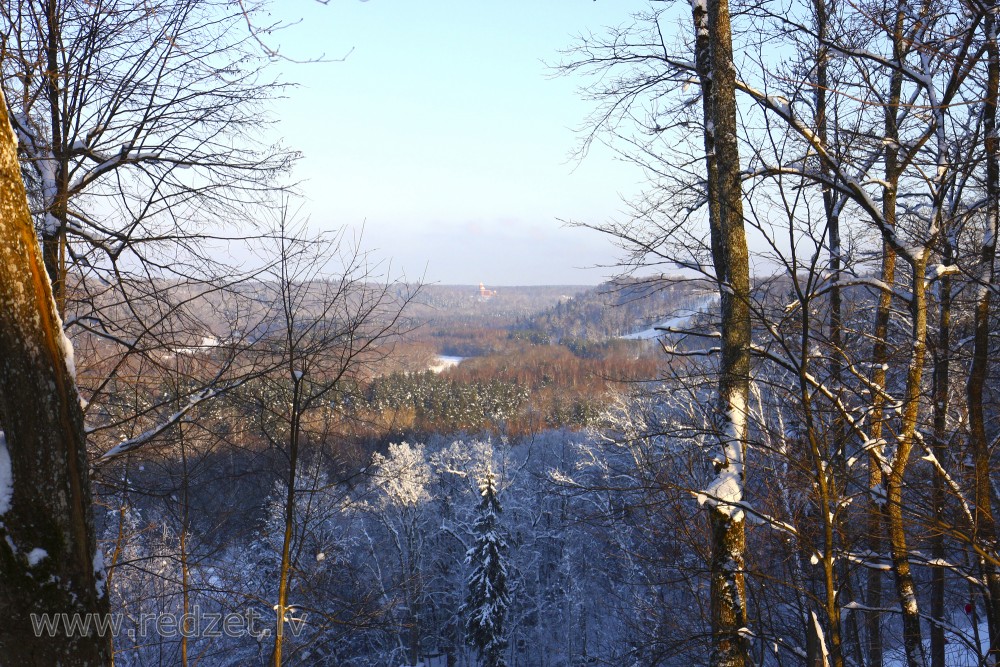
column 444, row 362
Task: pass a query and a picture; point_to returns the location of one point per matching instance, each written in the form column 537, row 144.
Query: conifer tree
column 488, row 597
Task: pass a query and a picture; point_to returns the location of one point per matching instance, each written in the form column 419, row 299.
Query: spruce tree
column 488, row 598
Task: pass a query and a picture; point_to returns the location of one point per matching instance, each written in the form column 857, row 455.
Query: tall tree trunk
column 876, row 478
column 48, row 548
column 827, row 476
column 714, row 59
column 877, row 516
column 942, row 367
column 895, row 524
column 905, row 589
column 985, row 529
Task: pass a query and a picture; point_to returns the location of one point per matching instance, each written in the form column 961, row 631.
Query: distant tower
column 486, row 294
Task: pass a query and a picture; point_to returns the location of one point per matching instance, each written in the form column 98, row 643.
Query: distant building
column 486, row 294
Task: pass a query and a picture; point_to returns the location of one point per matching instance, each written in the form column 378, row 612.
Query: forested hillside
column 622, row 308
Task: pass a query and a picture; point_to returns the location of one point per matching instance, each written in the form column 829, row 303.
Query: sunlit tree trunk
column 50, row 506
column 880, row 361
column 714, row 59
column 895, row 524
column 905, row 587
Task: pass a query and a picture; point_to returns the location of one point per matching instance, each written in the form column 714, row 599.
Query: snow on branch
column 724, row 494
column 782, row 107
column 948, row 479
column 955, row 630
column 105, row 164
column 126, row 446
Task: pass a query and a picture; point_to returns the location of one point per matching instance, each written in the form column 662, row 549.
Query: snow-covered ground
column 958, row 650
column 430, row 662
column 203, row 347
column 444, row 362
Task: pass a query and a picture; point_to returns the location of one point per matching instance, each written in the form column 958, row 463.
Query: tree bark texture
column 40, row 415
column 717, row 74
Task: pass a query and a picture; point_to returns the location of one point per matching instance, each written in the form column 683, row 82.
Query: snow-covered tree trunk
column 488, row 598
column 47, row 554
column 717, row 75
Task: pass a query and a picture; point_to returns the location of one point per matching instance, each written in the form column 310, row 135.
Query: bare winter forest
column 229, row 439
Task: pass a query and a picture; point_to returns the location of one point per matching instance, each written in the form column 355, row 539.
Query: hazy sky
column 444, row 134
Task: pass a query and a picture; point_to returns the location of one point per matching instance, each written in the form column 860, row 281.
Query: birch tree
column 330, row 322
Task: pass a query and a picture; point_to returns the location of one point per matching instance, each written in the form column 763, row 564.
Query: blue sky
column 445, row 136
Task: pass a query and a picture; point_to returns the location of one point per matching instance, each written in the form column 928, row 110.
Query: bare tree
column 138, row 128
column 331, row 322
column 874, row 125
column 140, row 138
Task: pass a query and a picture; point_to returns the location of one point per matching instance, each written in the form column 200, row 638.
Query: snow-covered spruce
column 488, row 598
